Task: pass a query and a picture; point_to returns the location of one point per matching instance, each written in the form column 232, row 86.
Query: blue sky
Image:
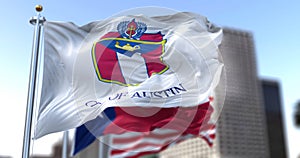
column 274, row 24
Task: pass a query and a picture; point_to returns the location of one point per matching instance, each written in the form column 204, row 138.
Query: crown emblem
column 131, row 29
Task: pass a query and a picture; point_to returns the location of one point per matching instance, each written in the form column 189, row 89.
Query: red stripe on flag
column 147, row 153
column 126, row 140
column 184, row 119
column 136, row 147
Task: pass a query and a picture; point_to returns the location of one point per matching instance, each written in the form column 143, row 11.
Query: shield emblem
column 129, row 41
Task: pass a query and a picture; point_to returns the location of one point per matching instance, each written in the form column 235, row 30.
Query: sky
column 274, row 23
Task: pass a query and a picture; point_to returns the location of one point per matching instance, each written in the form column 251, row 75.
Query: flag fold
column 152, row 132
column 166, row 62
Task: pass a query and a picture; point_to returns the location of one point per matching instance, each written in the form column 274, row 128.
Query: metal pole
column 103, row 148
column 38, row 22
column 100, row 146
column 65, row 144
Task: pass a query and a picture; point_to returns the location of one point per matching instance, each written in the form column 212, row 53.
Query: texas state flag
column 117, row 120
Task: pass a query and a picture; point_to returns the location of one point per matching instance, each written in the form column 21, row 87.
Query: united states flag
column 137, row 145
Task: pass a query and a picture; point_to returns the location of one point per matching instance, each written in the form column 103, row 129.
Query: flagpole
column 38, row 22
column 65, row 144
column 100, row 146
column 103, row 146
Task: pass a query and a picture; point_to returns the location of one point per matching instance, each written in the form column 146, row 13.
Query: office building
column 272, row 102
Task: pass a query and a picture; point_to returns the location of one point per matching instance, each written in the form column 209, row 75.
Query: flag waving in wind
column 163, row 127
column 159, row 62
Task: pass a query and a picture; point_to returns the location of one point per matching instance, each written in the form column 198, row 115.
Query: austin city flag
column 127, row 61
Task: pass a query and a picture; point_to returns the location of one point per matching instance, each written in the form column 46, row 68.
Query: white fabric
column 71, row 87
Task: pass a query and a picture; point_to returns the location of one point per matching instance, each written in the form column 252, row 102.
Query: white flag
column 163, row 61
